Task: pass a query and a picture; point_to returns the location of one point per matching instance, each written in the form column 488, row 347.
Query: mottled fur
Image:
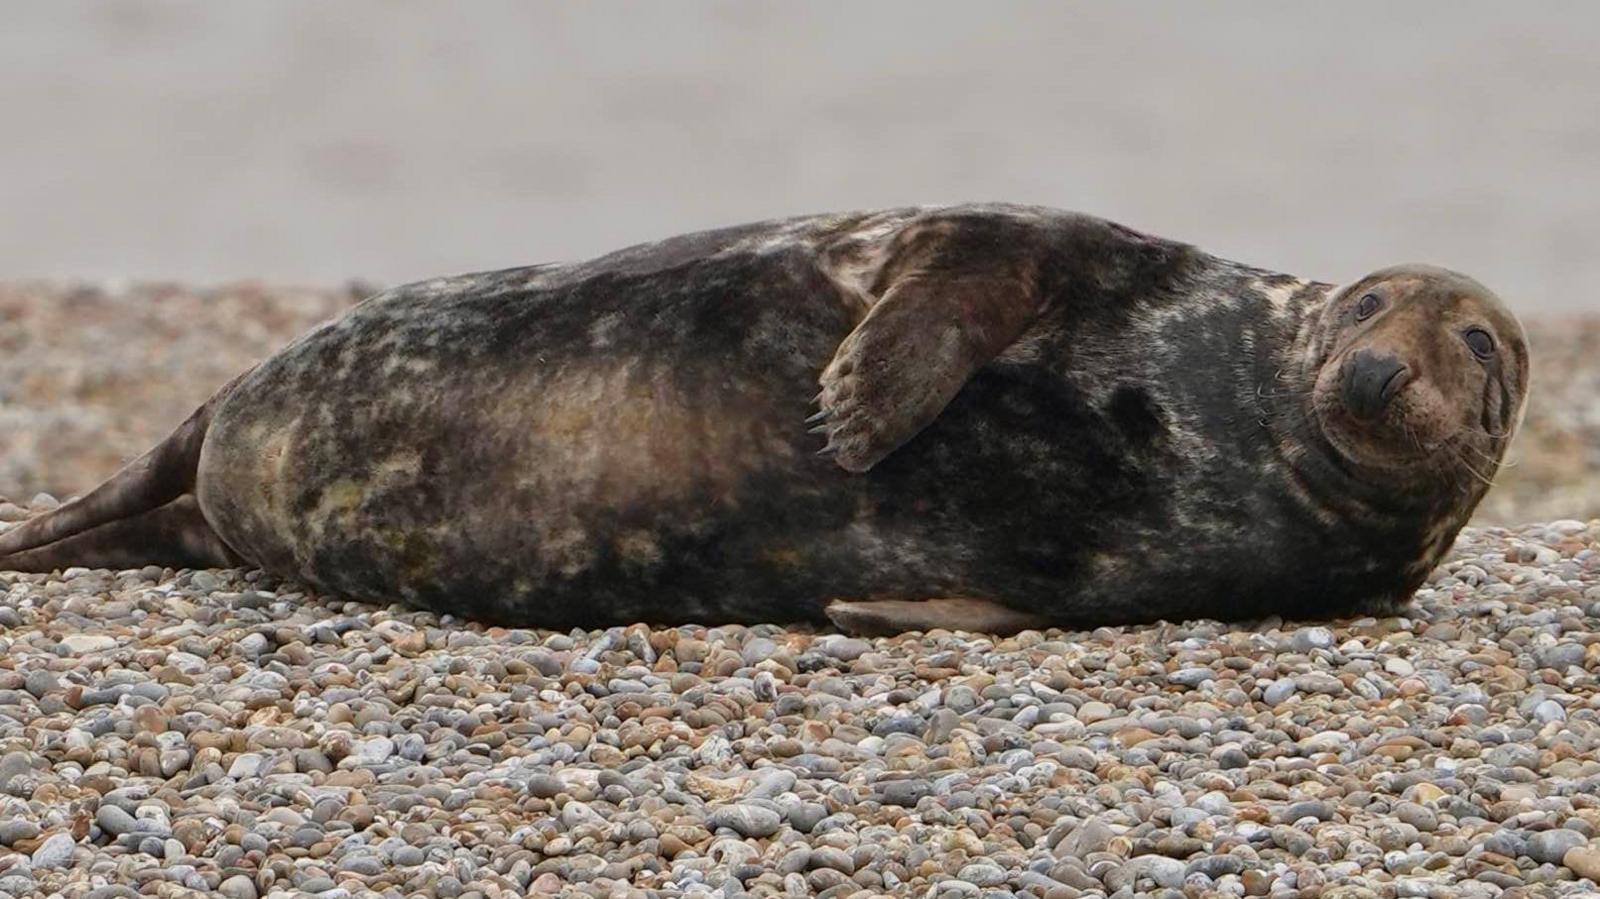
column 1024, row 408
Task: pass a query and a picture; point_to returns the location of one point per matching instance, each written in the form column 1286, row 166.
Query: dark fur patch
column 1133, row 412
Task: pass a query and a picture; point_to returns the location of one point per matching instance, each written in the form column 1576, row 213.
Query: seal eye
column 1479, row 341
column 1367, row 307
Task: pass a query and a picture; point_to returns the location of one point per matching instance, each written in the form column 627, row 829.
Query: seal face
column 991, row 416
column 1420, row 361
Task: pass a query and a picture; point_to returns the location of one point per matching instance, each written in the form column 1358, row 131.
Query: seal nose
column 1371, row 380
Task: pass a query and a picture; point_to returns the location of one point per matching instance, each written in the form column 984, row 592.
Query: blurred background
column 185, row 185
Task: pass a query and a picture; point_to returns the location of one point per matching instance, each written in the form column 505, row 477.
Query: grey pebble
column 941, row 725
column 253, row 645
column 55, row 851
column 1560, row 656
column 1307, row 639
column 40, row 682
column 114, row 820
column 1549, row 710
column 1191, row 677
column 833, row 858
column 983, row 874
column 960, row 699
column 905, row 793
column 746, row 820
column 1279, row 691
column 545, row 786
column 1320, row 810
column 1089, row 837
column 845, row 649
column 805, row 816
column 1216, row 867
column 1550, row 846
column 14, row 829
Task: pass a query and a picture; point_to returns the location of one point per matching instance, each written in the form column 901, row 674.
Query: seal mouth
column 1367, row 425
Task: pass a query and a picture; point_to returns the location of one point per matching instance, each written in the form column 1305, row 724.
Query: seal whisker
column 1502, row 463
column 1453, row 449
column 1473, row 471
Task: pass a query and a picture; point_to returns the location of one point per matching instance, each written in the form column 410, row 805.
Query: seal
column 1026, row 417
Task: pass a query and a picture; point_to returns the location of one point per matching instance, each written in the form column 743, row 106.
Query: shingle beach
column 177, row 733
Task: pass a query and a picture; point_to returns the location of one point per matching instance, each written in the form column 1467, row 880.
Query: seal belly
column 614, row 448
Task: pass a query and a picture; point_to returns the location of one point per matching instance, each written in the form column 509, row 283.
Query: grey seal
column 984, row 416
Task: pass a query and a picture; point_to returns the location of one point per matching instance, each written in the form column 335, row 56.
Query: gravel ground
column 166, row 732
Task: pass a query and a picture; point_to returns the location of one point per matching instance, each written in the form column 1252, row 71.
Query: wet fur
column 1120, row 431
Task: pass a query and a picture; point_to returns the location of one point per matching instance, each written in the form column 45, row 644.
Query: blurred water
column 312, row 142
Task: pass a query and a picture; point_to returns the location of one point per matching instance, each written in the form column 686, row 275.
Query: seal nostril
column 1371, row 381
column 1399, row 379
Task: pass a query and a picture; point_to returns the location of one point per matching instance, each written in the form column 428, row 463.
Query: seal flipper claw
column 896, row 616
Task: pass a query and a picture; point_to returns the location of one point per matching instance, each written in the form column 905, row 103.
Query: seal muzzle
column 1371, row 381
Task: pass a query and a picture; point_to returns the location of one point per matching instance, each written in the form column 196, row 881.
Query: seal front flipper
column 896, row 616
column 912, row 353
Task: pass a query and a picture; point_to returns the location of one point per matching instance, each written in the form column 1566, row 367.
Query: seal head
column 1420, row 368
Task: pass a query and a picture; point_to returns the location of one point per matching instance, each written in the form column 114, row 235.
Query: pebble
column 253, row 645
column 55, row 851
column 238, row 887
column 15, row 830
column 906, row 793
column 1279, row 691
column 983, row 874
column 114, row 820
column 1309, row 638
column 747, row 820
column 84, row 644
column 1551, row 846
column 1584, row 861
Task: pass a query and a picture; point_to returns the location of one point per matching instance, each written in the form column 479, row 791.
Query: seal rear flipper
column 887, row 617
column 910, row 355
column 175, row 535
column 147, row 483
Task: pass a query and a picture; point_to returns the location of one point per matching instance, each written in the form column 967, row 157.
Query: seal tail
column 134, row 518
